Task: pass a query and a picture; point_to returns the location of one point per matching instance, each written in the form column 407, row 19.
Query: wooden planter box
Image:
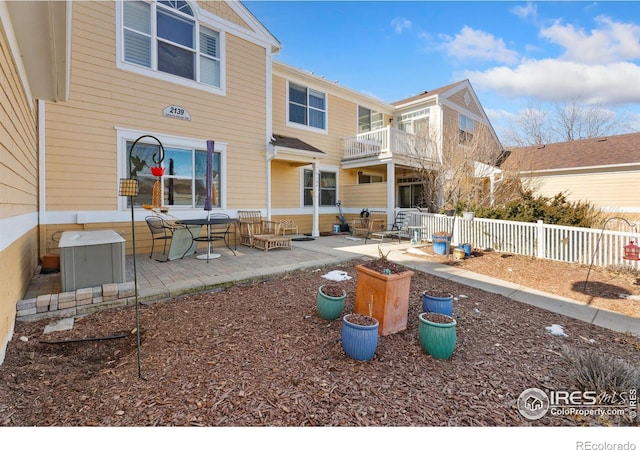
column 390, row 298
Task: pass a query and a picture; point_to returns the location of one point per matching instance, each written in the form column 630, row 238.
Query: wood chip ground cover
column 259, row 355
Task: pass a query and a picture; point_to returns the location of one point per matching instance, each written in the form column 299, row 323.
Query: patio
column 161, row 280
column 164, row 280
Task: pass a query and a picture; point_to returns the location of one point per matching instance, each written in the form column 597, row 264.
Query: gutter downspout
column 42, row 199
column 271, row 151
column 315, row 232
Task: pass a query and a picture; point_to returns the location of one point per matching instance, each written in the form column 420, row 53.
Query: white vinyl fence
column 602, row 247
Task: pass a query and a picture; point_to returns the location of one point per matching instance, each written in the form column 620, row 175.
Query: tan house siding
column 611, row 190
column 223, row 10
column 371, row 196
column 82, row 169
column 458, row 99
column 18, row 190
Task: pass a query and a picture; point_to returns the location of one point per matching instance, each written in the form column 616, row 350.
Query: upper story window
column 307, row 107
column 369, row 120
column 415, row 122
column 466, row 128
column 164, row 37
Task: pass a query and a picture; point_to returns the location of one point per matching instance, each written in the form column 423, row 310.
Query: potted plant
column 441, row 241
column 437, row 334
column 383, row 287
column 359, row 336
column 330, row 301
column 437, row 302
column 449, row 210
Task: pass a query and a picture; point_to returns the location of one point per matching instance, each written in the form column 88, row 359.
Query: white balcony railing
column 387, row 142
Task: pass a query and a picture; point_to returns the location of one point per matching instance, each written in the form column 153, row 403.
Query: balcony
column 388, row 143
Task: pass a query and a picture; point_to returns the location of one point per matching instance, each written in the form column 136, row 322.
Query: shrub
column 556, row 210
column 596, row 371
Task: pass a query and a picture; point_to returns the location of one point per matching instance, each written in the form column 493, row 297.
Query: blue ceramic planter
column 439, row 305
column 441, row 244
column 467, row 249
column 359, row 342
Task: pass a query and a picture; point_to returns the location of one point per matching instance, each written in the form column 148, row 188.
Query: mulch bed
column 259, row 355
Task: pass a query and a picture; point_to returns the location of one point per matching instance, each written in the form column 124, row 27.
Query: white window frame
column 128, row 135
column 164, row 76
column 328, row 169
column 466, row 128
column 406, row 121
column 301, row 126
column 374, row 124
column 361, row 174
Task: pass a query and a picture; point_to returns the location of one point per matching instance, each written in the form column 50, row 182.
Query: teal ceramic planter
column 437, row 334
column 329, row 307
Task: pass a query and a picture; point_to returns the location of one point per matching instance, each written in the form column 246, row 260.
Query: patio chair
column 287, row 225
column 252, row 224
column 161, row 230
column 367, row 224
column 398, row 229
column 221, row 231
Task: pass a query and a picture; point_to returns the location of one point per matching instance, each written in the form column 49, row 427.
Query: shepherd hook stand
column 593, row 256
column 129, row 188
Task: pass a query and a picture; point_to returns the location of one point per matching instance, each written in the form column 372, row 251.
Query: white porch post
column 391, row 191
column 315, row 232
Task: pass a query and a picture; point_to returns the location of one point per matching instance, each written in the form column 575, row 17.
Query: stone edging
column 80, row 301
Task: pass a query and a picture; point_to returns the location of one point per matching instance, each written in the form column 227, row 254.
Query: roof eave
column 43, row 34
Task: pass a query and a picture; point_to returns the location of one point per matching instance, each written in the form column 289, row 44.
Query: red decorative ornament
column 157, row 171
column 631, row 252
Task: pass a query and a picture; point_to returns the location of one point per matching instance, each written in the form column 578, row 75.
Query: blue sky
column 515, row 54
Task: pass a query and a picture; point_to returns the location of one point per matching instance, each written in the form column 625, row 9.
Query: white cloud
column 611, row 42
column 400, row 24
column 554, row 80
column 477, row 44
column 524, row 12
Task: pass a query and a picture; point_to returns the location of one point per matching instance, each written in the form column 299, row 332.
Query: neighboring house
column 604, row 171
column 287, row 142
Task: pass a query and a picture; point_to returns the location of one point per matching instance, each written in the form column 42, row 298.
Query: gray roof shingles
column 602, row 151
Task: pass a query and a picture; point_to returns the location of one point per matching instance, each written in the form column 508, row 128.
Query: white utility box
column 91, row 259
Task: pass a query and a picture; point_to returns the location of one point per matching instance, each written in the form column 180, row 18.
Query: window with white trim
column 466, row 128
column 184, row 180
column 369, row 119
column 365, row 178
column 415, row 122
column 307, row 107
column 328, row 188
column 164, row 37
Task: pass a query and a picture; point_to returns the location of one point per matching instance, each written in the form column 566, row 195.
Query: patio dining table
column 208, row 222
